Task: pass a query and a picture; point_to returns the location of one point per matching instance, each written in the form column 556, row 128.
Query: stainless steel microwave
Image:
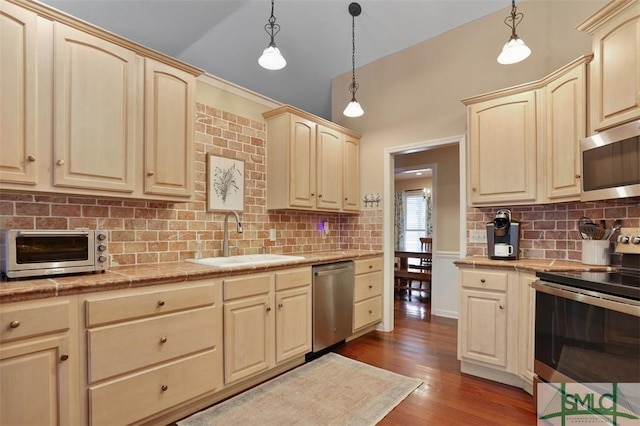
column 611, row 164
column 33, row 253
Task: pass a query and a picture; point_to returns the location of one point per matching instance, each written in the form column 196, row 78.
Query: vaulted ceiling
column 226, row 37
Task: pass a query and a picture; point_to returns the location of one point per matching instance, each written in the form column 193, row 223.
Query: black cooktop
column 622, row 284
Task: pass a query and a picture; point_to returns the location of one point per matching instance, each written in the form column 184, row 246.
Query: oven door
column 32, row 253
column 587, row 338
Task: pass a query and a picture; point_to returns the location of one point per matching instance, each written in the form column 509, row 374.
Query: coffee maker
column 503, row 236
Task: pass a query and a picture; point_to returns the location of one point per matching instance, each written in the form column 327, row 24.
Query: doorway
column 444, row 298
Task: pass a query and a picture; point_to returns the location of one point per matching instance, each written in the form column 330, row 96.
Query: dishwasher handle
column 332, row 269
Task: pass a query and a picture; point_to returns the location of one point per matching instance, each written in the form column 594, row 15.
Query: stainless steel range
column 588, row 324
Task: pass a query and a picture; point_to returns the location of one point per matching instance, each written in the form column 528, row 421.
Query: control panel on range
column 628, row 241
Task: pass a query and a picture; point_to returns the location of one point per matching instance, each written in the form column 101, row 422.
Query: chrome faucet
column 225, row 241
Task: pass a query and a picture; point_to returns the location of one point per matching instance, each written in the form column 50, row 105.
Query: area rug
column 331, row 390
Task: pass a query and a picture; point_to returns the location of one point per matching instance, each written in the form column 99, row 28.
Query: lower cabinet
column 489, row 325
column 150, row 350
column 39, row 363
column 526, row 329
column 267, row 320
column 367, row 294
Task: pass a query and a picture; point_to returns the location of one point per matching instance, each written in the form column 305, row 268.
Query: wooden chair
column 423, row 269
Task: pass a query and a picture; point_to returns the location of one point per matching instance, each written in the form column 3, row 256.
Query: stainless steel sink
column 246, row 260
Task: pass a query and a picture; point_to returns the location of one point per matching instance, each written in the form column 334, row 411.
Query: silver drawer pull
column 163, row 340
column 14, row 324
column 164, row 388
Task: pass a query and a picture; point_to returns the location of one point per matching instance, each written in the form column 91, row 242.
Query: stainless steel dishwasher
column 332, row 304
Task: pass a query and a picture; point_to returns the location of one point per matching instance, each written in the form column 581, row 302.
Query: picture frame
column 225, row 184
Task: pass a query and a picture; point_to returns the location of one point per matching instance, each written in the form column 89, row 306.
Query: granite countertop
column 122, row 277
column 532, row 265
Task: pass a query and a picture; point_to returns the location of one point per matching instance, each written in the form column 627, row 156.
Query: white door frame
column 388, row 215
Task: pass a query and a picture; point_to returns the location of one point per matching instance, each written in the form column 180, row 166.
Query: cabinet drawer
column 367, row 312
column 140, row 395
column 367, row 285
column 235, row 288
column 125, row 347
column 23, row 320
column 362, row 266
column 295, row 278
column 485, row 280
column 103, row 310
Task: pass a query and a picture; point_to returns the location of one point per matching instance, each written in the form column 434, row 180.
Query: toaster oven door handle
column 52, row 233
column 601, row 300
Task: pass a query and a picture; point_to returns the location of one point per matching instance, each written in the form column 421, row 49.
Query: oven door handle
column 600, row 300
column 52, row 233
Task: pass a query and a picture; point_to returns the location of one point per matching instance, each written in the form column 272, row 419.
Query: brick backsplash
column 152, row 232
column 551, row 231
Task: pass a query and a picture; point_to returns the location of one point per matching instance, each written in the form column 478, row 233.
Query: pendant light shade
column 353, row 109
column 271, row 58
column 515, row 50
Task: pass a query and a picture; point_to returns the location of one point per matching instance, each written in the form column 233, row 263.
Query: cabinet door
column 329, row 169
column 566, row 125
column 169, row 116
column 351, row 176
column 18, row 118
column 34, row 382
column 302, row 183
column 293, row 323
column 502, row 145
column 526, row 328
column 483, row 327
column 248, row 337
column 96, row 119
column 615, row 72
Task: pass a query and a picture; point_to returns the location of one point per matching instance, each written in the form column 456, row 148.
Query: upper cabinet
column 95, row 95
column 524, row 141
column 615, row 71
column 312, row 164
column 18, row 85
column 97, row 114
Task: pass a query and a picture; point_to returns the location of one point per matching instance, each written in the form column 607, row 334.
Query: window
column 415, row 219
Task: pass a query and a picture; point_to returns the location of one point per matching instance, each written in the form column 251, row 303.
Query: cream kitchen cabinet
column 150, row 350
column 39, row 363
column 524, row 141
column 351, row 177
column 503, row 138
column 113, row 118
column 267, row 321
column 96, row 104
column 614, row 80
column 18, row 88
column 565, row 124
column 496, row 325
column 484, row 322
column 367, row 292
column 526, row 329
column 308, row 162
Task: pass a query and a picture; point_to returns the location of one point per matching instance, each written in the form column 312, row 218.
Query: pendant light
column 353, row 109
column 271, row 58
column 514, row 50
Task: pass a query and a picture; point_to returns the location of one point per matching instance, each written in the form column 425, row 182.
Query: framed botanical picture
column 225, row 184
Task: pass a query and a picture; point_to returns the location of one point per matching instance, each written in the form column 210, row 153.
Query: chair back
column 426, row 244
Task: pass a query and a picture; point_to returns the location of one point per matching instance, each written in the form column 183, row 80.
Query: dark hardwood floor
column 424, row 346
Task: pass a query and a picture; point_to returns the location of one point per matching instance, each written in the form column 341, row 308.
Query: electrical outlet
column 477, row 236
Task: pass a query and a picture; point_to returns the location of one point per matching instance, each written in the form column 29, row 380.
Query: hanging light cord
column 272, row 28
column 353, row 87
column 513, row 20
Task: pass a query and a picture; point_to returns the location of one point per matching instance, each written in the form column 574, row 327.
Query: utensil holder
column 595, row 252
